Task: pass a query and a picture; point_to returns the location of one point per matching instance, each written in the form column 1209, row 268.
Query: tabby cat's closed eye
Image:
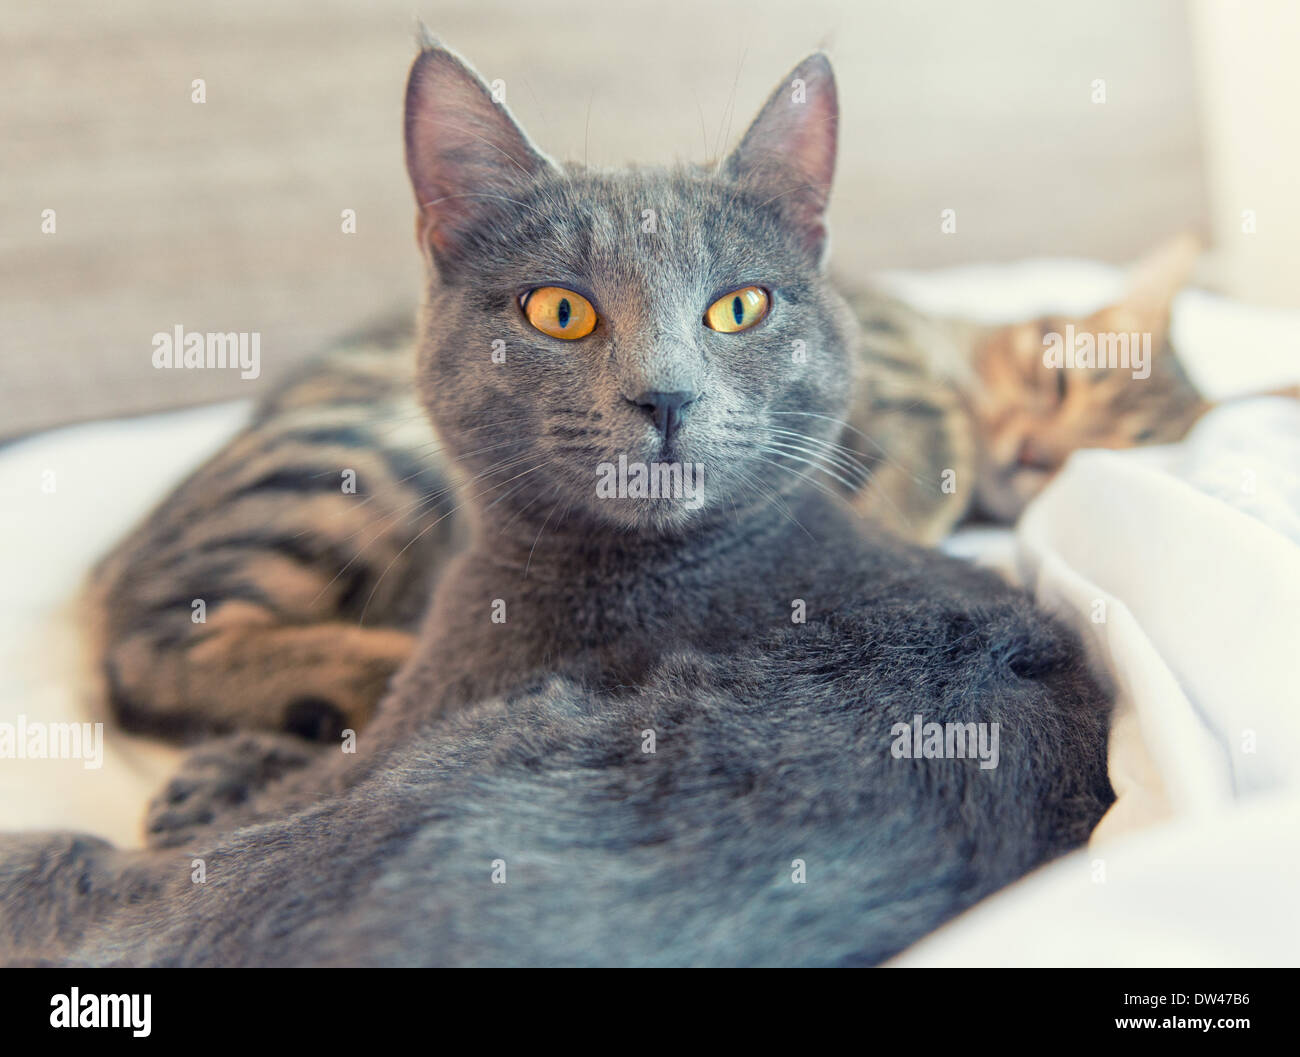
column 559, row 313
column 738, row 310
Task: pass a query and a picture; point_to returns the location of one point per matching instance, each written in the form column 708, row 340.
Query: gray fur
column 523, row 742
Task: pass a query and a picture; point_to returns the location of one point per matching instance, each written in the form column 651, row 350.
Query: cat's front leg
column 218, row 782
column 245, row 669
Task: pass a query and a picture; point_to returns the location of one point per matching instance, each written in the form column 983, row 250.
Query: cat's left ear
column 788, row 154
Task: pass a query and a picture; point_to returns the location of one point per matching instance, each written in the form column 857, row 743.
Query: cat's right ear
column 1157, row 277
column 1151, row 286
column 465, row 154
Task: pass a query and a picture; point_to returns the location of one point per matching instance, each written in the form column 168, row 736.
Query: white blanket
column 1180, row 565
column 67, row 496
column 1188, row 591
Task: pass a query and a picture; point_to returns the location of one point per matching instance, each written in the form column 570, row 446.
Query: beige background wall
column 1249, row 83
column 226, row 216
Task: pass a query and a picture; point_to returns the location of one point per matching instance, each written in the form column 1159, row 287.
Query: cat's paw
column 217, row 779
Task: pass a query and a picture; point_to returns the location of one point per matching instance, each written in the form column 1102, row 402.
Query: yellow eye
column 739, row 310
column 560, row 313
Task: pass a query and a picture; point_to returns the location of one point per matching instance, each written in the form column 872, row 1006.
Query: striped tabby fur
column 284, row 560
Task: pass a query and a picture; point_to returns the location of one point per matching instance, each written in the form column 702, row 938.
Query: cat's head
column 581, row 323
column 1037, row 401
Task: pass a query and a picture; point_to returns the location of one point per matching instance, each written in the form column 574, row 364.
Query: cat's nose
column 667, row 409
column 1033, row 455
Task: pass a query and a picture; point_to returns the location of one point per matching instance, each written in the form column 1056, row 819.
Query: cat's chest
column 490, row 633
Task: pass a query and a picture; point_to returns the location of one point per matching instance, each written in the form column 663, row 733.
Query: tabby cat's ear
column 464, row 152
column 788, row 154
column 1152, row 284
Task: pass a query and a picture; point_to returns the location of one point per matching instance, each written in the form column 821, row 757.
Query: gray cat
column 721, row 723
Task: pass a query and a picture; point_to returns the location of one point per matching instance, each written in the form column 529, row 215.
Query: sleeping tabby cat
column 633, row 730
column 312, row 593
column 976, row 400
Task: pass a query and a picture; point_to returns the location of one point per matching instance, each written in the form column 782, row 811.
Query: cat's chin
column 652, row 493
column 651, row 517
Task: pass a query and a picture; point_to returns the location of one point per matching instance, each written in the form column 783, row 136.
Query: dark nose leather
column 667, row 410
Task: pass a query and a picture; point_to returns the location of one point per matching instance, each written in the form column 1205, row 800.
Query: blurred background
column 1089, row 129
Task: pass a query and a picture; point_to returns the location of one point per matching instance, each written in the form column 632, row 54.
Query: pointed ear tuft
column 788, row 154
column 463, row 150
column 424, row 38
column 1158, row 276
column 1153, row 283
